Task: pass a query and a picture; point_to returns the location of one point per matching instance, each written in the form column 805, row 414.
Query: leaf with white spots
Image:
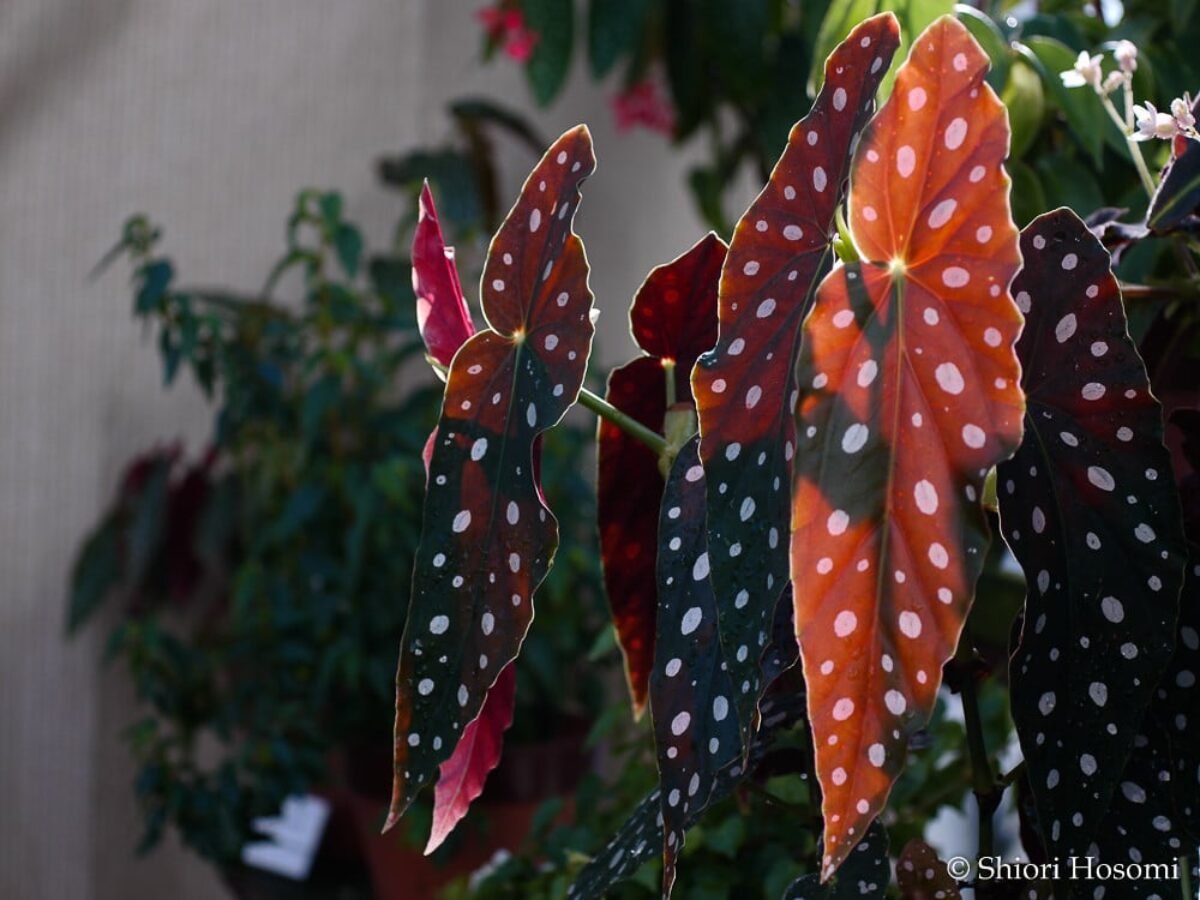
column 908, row 396
column 674, row 320
column 641, row 837
column 487, row 538
column 462, row 776
column 1089, row 508
column 442, row 315
column 922, row 876
column 744, row 387
column 865, row 875
column 691, row 692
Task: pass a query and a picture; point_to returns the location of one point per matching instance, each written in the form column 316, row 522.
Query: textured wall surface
column 209, row 116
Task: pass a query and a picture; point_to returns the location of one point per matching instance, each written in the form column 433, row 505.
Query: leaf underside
column 744, row 386
column 442, row 315
column 462, row 776
column 865, row 875
column 1089, row 508
column 487, row 539
column 691, row 692
column 908, row 394
column 674, row 320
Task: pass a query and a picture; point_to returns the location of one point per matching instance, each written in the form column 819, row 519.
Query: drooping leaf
column 674, row 320
column 691, row 692
column 614, row 28
column 462, row 776
column 487, row 538
column 908, row 395
column 1089, row 508
column 922, row 876
column 865, row 875
column 744, row 386
column 442, row 314
column 641, row 837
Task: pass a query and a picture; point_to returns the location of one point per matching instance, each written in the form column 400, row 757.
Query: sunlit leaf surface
column 908, row 395
column 744, row 387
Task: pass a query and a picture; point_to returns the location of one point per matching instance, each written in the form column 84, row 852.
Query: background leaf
column 673, row 319
column 554, row 23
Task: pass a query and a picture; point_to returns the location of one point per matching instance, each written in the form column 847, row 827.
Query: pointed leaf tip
column 744, row 387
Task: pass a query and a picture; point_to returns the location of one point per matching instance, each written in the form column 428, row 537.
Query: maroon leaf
column 674, row 319
column 780, row 249
column 442, row 314
column 461, row 777
column 487, row 538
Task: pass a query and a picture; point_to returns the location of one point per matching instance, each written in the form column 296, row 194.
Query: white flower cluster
column 1143, row 121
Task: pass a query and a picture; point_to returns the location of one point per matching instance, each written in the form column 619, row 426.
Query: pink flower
column 1126, row 54
column 506, row 28
column 642, row 105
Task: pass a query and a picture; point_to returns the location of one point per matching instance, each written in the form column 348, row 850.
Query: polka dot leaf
column 865, row 875
column 1089, row 508
column 922, row 876
column 462, row 776
column 487, row 538
column 908, row 395
column 442, row 315
column 691, row 692
column 780, row 249
column 674, row 320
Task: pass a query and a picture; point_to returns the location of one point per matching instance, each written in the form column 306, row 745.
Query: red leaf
column 908, row 396
column 674, row 319
column 461, row 777
column 442, row 314
column 487, row 538
column 922, row 875
column 780, row 248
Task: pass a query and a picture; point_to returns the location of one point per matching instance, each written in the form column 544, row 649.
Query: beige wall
column 208, row 114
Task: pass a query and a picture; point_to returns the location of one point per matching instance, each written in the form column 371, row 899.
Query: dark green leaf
column 96, row 571
column 865, row 875
column 348, row 242
column 614, row 28
column 554, row 23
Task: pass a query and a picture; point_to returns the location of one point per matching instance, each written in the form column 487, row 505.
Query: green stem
column 1185, row 877
column 628, row 424
column 604, row 410
column 669, row 370
column 1135, row 152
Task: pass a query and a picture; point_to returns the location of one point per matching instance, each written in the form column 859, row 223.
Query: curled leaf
column 442, row 315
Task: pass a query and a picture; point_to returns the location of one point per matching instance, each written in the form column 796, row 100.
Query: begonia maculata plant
column 833, row 420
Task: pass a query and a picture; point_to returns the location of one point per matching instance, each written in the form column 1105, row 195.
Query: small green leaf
column 984, row 30
column 348, row 242
column 97, row 570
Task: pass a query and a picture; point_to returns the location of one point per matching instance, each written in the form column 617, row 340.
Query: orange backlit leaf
column 909, row 394
column 743, row 387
